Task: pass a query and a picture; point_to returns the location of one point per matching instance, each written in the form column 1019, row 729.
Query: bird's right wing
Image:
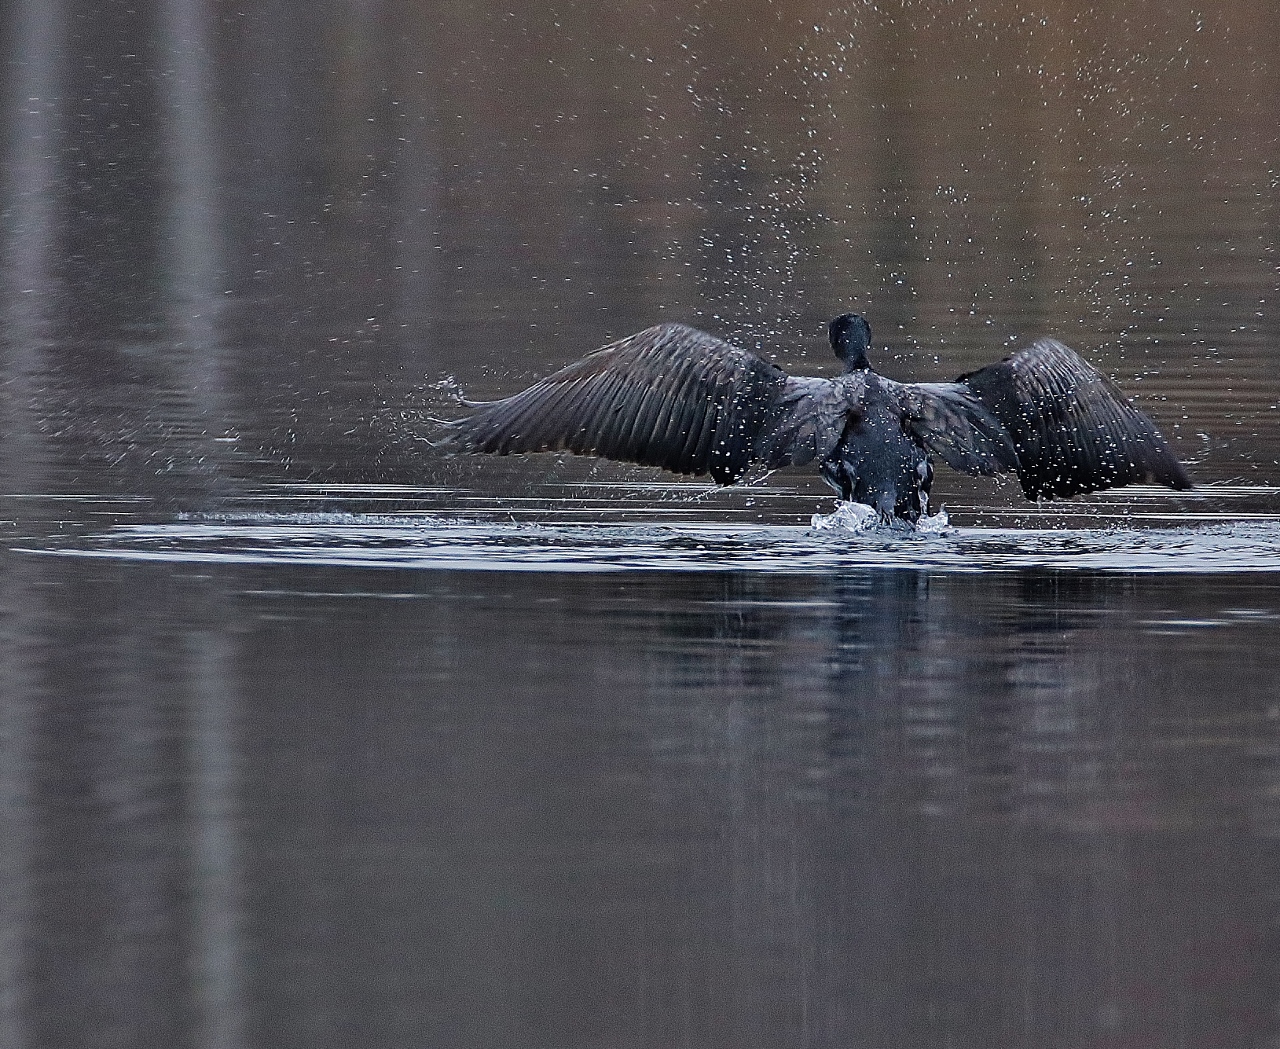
column 949, row 420
column 669, row 396
column 1073, row 429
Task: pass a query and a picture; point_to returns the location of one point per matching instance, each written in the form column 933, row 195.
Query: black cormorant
column 676, row 397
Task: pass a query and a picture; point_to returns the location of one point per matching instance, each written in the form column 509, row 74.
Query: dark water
column 312, row 736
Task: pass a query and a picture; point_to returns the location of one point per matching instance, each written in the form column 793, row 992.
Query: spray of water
column 857, row 518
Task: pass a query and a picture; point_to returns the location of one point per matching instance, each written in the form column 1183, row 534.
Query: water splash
column 847, row 517
column 857, row 518
column 935, row 524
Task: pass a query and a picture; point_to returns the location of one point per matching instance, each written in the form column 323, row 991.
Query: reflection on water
column 310, row 805
column 215, row 263
column 280, row 767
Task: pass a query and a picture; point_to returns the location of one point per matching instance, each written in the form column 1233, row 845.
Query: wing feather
column 654, row 416
column 678, row 431
column 809, row 417
column 950, row 421
column 1072, row 427
column 669, row 396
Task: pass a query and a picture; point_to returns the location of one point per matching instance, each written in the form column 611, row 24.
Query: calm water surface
column 311, row 736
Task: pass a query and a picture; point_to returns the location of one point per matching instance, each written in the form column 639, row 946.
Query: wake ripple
column 840, row 541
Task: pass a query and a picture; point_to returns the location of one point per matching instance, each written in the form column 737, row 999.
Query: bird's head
column 851, row 338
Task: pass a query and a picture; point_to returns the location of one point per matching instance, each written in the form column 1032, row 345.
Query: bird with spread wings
column 678, row 398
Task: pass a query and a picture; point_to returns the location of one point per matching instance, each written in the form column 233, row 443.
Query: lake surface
column 311, row 735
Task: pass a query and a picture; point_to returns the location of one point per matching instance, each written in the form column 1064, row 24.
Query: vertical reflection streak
column 196, row 263
column 195, row 233
column 32, row 94
column 418, row 185
column 215, row 853
column 29, row 198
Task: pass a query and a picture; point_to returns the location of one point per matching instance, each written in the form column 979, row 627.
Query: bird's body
column 676, row 397
column 877, row 462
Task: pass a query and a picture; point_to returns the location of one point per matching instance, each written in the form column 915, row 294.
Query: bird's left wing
column 1073, row 428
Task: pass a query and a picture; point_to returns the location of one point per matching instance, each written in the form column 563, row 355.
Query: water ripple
column 439, row 542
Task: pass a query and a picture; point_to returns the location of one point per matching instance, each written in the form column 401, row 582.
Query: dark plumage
column 676, row 397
